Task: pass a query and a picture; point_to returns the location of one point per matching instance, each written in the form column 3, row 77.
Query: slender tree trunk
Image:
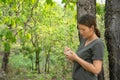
column 5, row 61
column 47, row 63
column 87, row 7
column 112, row 36
column 48, row 60
column 37, row 62
column 32, row 63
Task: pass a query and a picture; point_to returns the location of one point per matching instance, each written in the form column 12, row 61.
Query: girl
column 88, row 58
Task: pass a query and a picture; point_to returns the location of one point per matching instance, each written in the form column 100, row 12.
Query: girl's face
column 85, row 31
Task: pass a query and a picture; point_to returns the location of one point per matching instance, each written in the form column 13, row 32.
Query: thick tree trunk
column 84, row 7
column 112, row 36
column 5, row 61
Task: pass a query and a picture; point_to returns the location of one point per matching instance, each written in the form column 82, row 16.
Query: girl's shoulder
column 98, row 43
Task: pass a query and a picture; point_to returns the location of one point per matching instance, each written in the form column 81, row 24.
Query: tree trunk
column 32, row 64
column 37, row 62
column 84, row 7
column 5, row 61
column 47, row 63
column 112, row 36
column 88, row 7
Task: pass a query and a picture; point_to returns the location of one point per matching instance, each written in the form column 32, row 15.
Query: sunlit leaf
column 28, row 36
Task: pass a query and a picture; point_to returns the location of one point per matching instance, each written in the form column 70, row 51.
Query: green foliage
column 100, row 9
column 49, row 2
column 44, row 27
column 6, row 46
column 100, row 17
column 19, row 61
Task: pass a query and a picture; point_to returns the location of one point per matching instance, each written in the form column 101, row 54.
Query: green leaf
column 33, row 1
column 49, row 2
column 71, row 6
column 1, row 34
column 8, row 34
column 4, row 1
column 28, row 36
column 64, row 1
column 13, row 39
column 6, row 46
column 100, row 9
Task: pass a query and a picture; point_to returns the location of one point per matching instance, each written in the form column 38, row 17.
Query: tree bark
column 5, row 61
column 47, row 63
column 87, row 7
column 112, row 36
column 37, row 62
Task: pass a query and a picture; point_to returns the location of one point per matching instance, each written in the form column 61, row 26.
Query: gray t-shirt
column 90, row 52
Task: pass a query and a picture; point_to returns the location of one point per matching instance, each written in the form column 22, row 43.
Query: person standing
column 88, row 59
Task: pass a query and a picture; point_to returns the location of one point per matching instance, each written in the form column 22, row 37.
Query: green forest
column 33, row 34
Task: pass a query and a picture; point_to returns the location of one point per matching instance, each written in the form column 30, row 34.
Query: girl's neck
column 92, row 37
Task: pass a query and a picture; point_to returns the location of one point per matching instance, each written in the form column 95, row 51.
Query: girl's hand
column 70, row 54
column 67, row 51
